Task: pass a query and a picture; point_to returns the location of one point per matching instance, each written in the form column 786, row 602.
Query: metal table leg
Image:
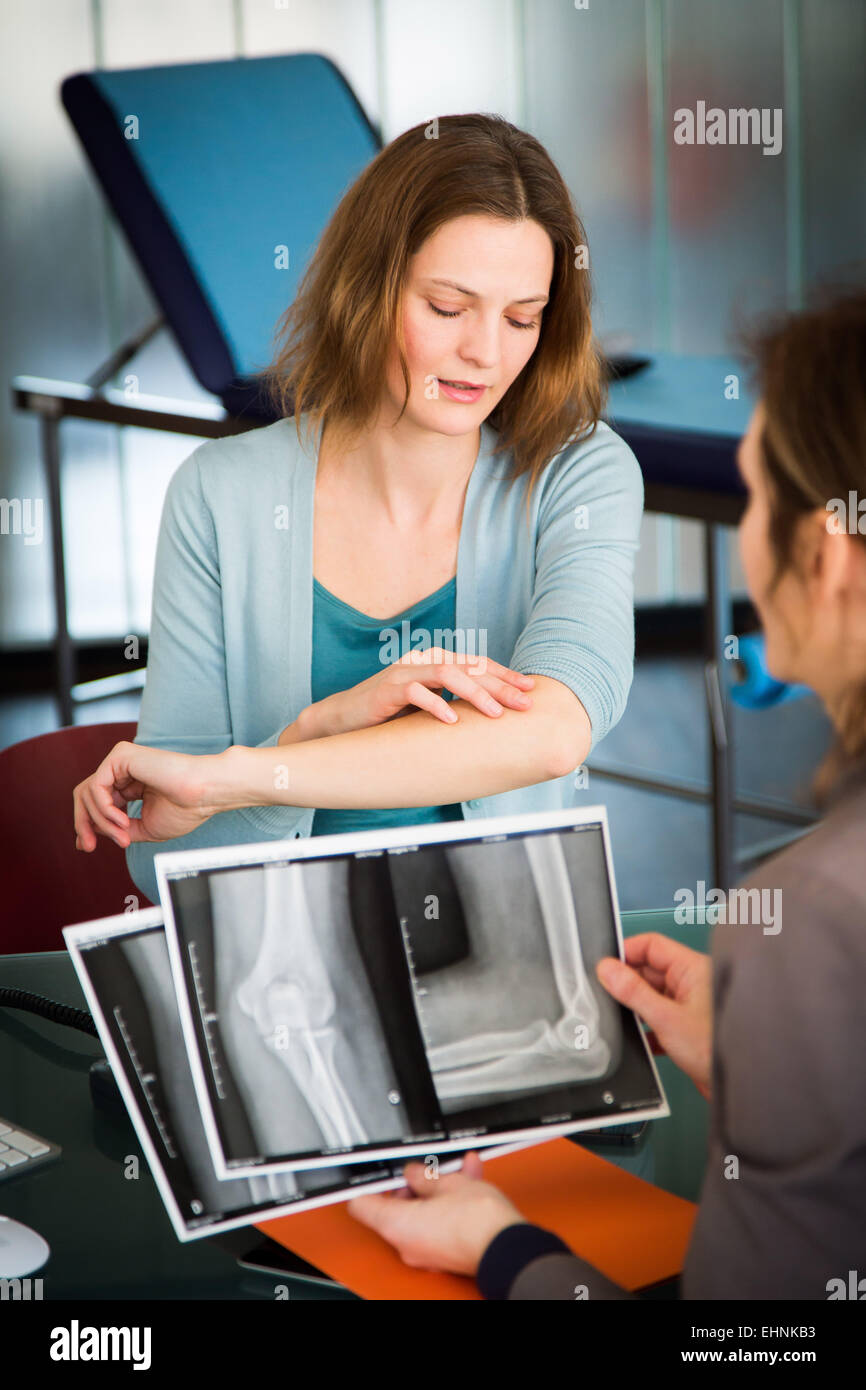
column 65, row 653
column 719, row 623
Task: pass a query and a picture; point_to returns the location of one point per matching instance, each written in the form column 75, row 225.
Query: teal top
column 347, row 649
column 546, row 590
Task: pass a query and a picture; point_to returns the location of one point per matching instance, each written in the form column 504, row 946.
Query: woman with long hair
column 336, row 596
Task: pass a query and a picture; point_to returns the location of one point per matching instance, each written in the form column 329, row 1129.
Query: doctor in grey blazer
column 773, row 1028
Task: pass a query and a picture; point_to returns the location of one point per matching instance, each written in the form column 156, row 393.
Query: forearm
column 297, row 732
column 415, row 760
column 319, row 720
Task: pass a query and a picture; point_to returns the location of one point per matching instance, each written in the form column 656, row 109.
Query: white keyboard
column 21, row 1150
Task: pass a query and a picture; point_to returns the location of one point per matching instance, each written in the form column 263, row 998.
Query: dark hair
column 338, row 331
column 810, row 370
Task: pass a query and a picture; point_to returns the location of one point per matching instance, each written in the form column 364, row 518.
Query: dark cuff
column 509, row 1252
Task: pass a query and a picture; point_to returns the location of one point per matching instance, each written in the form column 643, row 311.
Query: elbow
column 567, row 754
column 570, row 745
column 567, row 726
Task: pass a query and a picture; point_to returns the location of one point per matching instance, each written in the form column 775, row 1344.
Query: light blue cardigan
column 230, row 638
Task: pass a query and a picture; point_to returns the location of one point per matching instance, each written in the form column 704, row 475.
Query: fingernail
column 608, row 971
column 492, row 707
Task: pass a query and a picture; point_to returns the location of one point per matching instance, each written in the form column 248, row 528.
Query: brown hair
column 811, row 378
column 337, row 333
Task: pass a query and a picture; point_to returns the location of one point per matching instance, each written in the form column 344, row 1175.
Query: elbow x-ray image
column 293, row 1051
column 510, row 1009
column 403, row 1001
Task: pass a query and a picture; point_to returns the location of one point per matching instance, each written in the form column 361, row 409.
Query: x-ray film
column 391, row 993
column 122, row 963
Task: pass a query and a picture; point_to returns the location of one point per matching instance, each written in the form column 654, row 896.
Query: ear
column 830, row 558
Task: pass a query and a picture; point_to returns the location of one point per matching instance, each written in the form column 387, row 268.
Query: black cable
column 48, row 1008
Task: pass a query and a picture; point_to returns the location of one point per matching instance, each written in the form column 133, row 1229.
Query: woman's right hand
column 413, row 682
column 178, row 791
column 671, row 987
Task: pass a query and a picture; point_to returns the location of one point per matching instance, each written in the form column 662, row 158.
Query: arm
column 179, row 794
column 184, row 706
column 415, row 757
column 529, row 1262
column 580, row 628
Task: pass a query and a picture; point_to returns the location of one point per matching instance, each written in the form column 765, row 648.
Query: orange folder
column 633, row 1232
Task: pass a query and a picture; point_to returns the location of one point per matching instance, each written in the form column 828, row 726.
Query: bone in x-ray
column 289, row 996
column 544, row 1053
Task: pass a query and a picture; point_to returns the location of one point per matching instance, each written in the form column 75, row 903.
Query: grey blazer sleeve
column 557, row 1277
column 528, row 1261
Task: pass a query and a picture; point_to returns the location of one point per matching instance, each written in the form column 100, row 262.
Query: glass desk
column 110, row 1235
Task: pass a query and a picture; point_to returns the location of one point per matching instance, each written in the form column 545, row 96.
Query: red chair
column 46, row 883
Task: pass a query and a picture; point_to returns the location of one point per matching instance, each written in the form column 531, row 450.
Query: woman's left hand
column 444, row 1222
column 177, row 792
